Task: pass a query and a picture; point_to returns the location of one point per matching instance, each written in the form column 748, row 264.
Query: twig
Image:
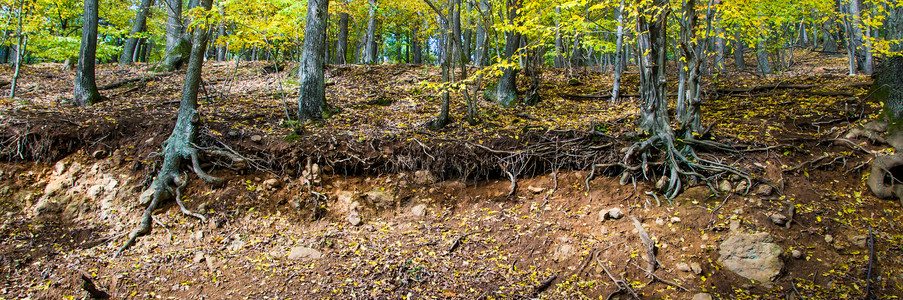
column 545, row 284
column 649, row 245
column 457, row 242
column 868, row 278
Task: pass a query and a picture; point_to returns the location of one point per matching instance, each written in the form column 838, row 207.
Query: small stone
column 725, row 187
column 424, row 177
column 796, row 254
column 675, row 220
column 735, row 225
column 764, row 190
column 298, row 253
column 256, row 138
column 829, row 239
column 94, row 191
column 702, row 296
column 211, row 262
column 659, row 222
column 149, row 141
column 683, row 267
column 354, row 219
column 272, row 183
column 615, row 213
column 859, row 241
column 778, row 219
column 59, row 168
column 741, row 187
column 198, row 257
column 696, row 268
column 751, row 255
column 197, row 235
column 419, row 210
column 662, row 183
column 602, row 214
column 535, row 189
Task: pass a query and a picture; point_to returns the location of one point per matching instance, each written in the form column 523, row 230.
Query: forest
column 460, row 149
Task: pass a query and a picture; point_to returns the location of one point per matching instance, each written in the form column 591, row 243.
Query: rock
column 197, row 235
column 236, row 245
column 829, row 239
column 419, row 210
column 675, row 220
column 272, row 183
column 563, row 252
column 381, row 198
column 354, row 219
column 424, row 177
column 696, row 268
column 859, row 241
column 764, row 190
column 796, row 254
column 198, row 257
column 298, row 253
column 735, row 225
column 59, row 168
column 94, row 191
column 683, row 267
column 535, row 189
column 752, row 255
column 659, row 222
column 99, row 154
column 702, row 296
column 54, row 186
column 149, row 141
column 725, row 187
column 256, row 138
column 211, row 262
column 615, row 213
column 741, row 187
column 602, row 214
column 662, row 183
column 778, row 219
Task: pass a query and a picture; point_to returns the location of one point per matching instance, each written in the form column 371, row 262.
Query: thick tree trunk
column 481, row 55
column 619, row 53
column 341, row 47
column 85, row 91
column 415, row 45
column 690, row 116
column 128, row 49
column 862, row 52
column 221, row 33
column 177, row 47
column 371, row 55
column 506, row 91
column 739, row 61
column 457, row 49
column 888, row 84
column 313, row 87
column 654, row 110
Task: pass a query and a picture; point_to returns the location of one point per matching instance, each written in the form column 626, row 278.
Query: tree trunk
column 415, row 45
column 862, row 52
column 654, row 111
column 619, row 53
column 456, row 32
column 690, row 115
column 739, row 62
column 23, row 43
column 85, row 91
column 762, row 57
column 370, row 56
column 341, row 47
column 888, row 84
column 481, row 56
column 468, row 39
column 506, row 91
column 177, row 47
column 128, row 49
column 221, row 33
column 313, row 87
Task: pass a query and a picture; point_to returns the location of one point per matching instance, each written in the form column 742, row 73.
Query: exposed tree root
column 680, row 162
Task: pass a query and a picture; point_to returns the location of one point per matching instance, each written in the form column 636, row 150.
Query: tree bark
column 313, row 87
column 739, row 61
column 221, row 48
column 371, row 55
column 341, row 47
column 862, row 52
column 415, row 45
column 22, row 44
column 762, row 57
column 128, row 49
column 888, row 84
column 85, row 91
column 654, row 110
column 690, row 116
column 481, row 55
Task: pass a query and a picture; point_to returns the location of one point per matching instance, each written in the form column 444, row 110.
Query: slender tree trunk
column 690, row 118
column 23, row 43
column 341, row 47
column 559, row 44
column 313, row 87
column 861, row 48
column 371, row 55
column 85, row 91
column 128, row 49
column 481, row 56
column 221, row 48
column 415, row 45
column 457, row 49
column 506, row 91
column 619, row 53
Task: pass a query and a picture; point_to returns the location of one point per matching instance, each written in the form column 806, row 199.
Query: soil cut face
column 371, row 204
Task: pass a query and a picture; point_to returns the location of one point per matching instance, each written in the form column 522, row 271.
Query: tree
column 85, row 91
column 506, row 90
column 128, row 49
column 341, row 44
column 180, row 144
column 313, row 57
column 888, row 84
column 370, row 55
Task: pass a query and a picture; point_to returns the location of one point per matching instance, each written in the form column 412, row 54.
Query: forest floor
column 371, row 204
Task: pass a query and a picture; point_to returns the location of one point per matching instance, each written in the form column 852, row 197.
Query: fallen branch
column 89, row 286
column 544, row 285
column 649, row 245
